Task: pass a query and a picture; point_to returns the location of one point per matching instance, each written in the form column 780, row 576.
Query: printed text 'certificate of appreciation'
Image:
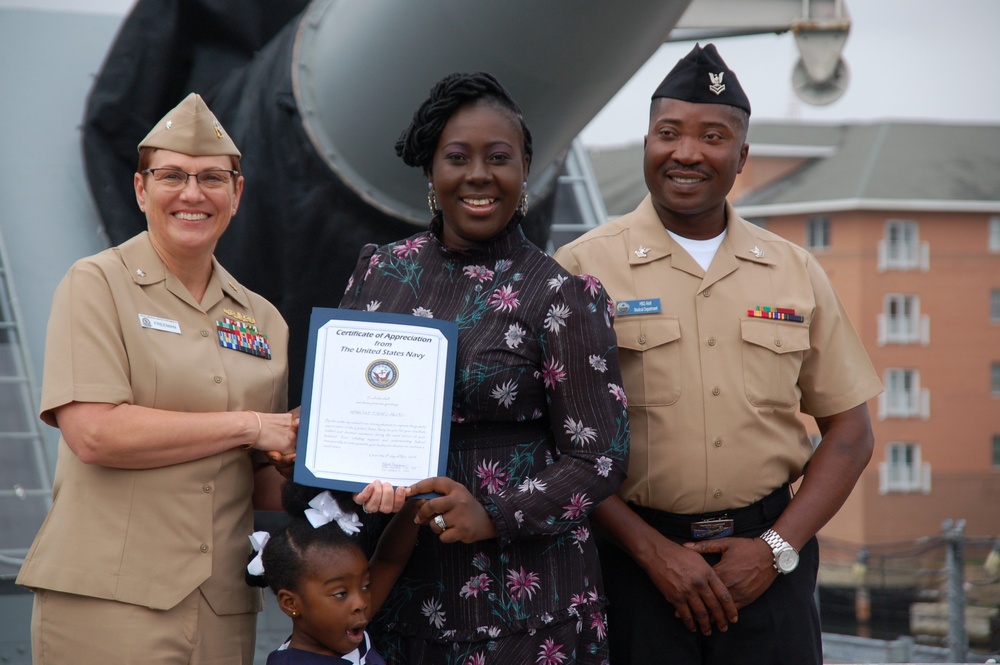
column 376, row 399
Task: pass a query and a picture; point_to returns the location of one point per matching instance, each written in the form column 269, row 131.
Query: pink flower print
column 618, row 393
column 372, row 262
column 553, row 372
column 350, row 283
column 502, row 264
column 550, row 653
column 409, row 248
column 598, row 621
column 373, row 306
column 577, row 507
column 477, row 659
column 577, row 599
column 580, row 536
column 477, row 583
column 522, row 583
column 591, row 284
column 481, row 273
column 480, row 561
column 492, row 477
column 504, row 299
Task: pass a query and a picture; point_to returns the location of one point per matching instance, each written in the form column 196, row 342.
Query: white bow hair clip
column 257, row 540
column 325, row 509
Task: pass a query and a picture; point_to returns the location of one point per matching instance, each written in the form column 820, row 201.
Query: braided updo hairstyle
column 284, row 555
column 417, row 143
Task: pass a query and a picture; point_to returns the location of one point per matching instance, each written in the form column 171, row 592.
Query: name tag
column 157, row 323
column 641, row 306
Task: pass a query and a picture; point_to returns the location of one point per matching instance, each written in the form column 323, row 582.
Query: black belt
column 704, row 526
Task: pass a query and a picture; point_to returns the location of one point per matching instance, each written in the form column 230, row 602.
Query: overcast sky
column 907, row 59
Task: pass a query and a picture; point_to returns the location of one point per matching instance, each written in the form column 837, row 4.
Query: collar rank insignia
column 717, row 87
column 757, row 251
column 642, row 252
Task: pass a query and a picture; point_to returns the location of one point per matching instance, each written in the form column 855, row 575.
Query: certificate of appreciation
column 376, row 399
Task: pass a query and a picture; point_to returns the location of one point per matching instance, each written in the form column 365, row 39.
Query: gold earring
column 432, row 202
column 522, row 205
column 294, row 613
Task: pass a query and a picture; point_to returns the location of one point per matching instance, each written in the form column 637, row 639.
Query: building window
column 818, row 233
column 903, row 397
column 996, row 451
column 901, row 248
column 901, row 322
column 995, row 379
column 995, row 233
column 995, row 305
column 902, row 470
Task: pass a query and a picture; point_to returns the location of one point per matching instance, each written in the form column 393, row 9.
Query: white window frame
column 901, row 248
column 903, row 471
column 903, row 397
column 818, row 233
column 901, row 322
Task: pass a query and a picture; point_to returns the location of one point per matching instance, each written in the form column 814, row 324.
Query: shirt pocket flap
column 776, row 336
column 642, row 334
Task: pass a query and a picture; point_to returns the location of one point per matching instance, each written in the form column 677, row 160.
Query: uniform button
column 707, row 293
column 204, row 547
column 711, row 341
column 207, row 489
column 777, row 342
column 718, row 442
column 718, row 493
column 204, row 333
column 218, row 379
column 716, row 391
column 642, row 339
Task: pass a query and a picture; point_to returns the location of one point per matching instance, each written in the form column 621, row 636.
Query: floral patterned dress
column 539, row 436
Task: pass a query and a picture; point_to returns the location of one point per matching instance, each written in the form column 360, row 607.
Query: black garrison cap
column 701, row 77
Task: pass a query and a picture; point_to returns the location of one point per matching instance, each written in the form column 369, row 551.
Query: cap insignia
column 218, row 129
column 717, row 87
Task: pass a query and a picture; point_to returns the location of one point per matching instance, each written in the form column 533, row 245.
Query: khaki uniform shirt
column 712, row 391
column 123, row 329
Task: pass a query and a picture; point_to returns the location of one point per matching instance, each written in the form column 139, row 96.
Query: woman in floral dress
column 506, row 570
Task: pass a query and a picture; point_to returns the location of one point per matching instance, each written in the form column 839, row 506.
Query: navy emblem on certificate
column 382, row 375
column 376, row 399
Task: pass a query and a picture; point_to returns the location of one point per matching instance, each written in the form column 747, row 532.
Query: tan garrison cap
column 191, row 128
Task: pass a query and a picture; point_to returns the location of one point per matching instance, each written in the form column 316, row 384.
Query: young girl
column 316, row 567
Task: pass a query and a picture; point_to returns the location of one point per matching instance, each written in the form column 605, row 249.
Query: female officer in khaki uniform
column 166, row 378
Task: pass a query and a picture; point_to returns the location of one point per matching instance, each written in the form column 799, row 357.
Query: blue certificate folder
column 380, row 401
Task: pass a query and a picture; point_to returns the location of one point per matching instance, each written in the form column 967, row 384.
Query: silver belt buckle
column 710, row 529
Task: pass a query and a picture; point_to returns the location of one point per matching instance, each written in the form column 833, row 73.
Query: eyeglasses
column 175, row 179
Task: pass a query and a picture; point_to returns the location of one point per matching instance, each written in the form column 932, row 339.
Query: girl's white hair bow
column 257, row 540
column 325, row 509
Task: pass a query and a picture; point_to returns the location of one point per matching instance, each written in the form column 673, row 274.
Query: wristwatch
column 785, row 556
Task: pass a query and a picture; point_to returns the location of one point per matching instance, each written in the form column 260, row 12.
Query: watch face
column 787, row 560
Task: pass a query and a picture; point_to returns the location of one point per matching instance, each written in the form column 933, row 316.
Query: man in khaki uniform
column 162, row 372
column 724, row 330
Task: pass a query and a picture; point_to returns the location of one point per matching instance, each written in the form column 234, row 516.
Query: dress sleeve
column 352, row 294
column 587, row 413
